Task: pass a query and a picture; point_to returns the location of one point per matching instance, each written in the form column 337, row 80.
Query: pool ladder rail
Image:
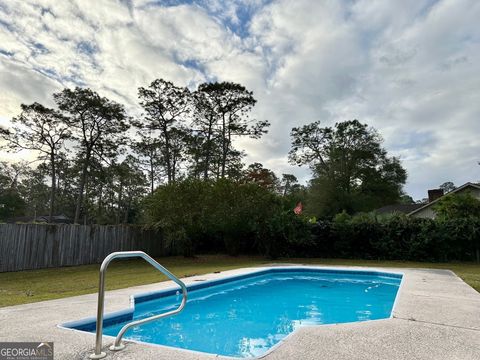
column 118, row 345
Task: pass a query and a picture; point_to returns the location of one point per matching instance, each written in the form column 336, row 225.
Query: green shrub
column 458, row 206
column 225, row 216
column 284, row 234
column 398, row 238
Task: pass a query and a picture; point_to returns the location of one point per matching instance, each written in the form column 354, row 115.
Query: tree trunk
column 224, row 147
column 167, row 154
column 127, row 209
column 287, row 185
column 207, row 153
column 81, row 188
column 152, row 175
column 120, row 197
column 174, row 166
column 52, row 190
column 100, row 204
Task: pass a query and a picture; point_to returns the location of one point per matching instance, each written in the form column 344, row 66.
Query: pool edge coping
column 254, row 271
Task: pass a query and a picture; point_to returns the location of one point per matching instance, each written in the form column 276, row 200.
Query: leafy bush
column 225, row 216
column 284, row 234
column 456, row 206
column 178, row 209
column 398, row 238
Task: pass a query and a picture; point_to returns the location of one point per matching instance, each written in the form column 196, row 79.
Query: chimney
column 434, row 194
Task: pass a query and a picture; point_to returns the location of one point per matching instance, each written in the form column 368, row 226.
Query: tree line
column 97, row 164
column 100, row 162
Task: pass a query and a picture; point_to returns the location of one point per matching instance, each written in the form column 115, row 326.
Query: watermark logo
column 26, row 350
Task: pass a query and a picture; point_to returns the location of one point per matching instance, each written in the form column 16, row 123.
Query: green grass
column 37, row 285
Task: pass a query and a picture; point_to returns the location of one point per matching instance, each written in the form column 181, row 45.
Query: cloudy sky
column 409, row 68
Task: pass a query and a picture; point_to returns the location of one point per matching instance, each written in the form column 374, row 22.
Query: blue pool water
column 245, row 317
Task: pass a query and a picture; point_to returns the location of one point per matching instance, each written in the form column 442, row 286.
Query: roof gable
column 463, row 187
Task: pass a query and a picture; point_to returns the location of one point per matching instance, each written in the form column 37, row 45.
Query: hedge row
column 396, row 238
column 228, row 217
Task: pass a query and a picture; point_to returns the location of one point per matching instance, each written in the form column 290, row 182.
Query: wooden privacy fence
column 37, row 246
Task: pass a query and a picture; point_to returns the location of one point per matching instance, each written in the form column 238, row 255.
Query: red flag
column 298, row 209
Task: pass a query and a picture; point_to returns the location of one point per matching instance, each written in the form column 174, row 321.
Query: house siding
column 428, row 211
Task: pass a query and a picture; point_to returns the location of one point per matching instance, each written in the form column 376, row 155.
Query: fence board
column 38, row 246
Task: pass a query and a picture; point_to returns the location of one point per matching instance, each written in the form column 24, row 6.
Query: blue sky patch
column 239, row 23
column 86, row 47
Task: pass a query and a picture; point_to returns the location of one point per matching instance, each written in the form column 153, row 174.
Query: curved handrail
column 101, row 300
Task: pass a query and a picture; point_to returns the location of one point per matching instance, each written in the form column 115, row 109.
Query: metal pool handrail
column 99, row 354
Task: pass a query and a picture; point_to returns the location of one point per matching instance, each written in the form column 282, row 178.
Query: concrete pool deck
column 436, row 316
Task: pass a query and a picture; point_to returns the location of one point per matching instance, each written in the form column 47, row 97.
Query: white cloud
column 408, row 68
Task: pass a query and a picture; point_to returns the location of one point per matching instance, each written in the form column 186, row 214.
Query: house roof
column 398, row 208
column 460, row 188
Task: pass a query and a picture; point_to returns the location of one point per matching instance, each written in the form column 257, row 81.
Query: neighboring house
column 398, row 209
column 56, row 219
column 426, row 210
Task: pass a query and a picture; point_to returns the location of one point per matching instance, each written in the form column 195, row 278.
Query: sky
column 409, row 68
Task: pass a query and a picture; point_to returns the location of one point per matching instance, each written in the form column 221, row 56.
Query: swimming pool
column 245, row 316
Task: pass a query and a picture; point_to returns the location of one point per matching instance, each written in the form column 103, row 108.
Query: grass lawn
column 37, row 285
